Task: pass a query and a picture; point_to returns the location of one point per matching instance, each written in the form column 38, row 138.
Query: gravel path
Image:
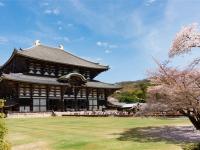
column 177, row 133
column 174, row 134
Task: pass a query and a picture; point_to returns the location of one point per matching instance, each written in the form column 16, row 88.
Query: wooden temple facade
column 43, row 78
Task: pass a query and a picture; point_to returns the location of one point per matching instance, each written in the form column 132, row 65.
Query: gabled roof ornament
column 61, row 46
column 37, row 42
column 73, row 78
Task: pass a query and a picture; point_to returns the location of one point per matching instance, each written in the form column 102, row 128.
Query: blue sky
column 124, row 34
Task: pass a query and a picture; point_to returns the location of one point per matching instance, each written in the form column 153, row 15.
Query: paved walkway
column 179, row 133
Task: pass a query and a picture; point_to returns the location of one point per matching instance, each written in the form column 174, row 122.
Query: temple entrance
column 53, row 104
column 82, row 104
column 70, row 105
column 75, row 105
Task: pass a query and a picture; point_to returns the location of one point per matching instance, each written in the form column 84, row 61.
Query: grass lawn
column 82, row 133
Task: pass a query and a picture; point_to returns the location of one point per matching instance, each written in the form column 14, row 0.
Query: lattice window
column 38, row 69
column 52, row 71
column 87, row 74
column 81, row 93
column 52, row 91
column 65, row 71
column 93, row 104
column 24, row 108
column 60, row 72
column 24, row 90
column 43, row 91
column 55, row 91
column 93, row 99
column 39, row 105
column 31, row 68
column 93, row 93
column 46, row 70
column 39, row 91
column 36, row 91
column 58, row 91
column 101, row 94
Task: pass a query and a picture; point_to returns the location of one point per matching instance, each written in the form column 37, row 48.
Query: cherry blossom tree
column 179, row 89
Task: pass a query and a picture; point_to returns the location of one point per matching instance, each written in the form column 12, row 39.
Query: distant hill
column 132, row 85
column 132, row 91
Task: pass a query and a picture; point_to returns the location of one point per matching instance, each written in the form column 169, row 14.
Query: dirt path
column 32, row 146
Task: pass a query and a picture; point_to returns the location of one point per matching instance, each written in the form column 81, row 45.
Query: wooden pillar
column 75, row 98
column 31, row 95
column 17, row 96
column 105, row 97
column 97, row 98
column 62, row 98
column 47, row 96
column 87, row 94
column 78, row 99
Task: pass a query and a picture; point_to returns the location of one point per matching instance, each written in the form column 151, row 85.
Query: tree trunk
column 195, row 121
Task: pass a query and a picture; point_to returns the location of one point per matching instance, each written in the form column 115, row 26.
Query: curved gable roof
column 57, row 55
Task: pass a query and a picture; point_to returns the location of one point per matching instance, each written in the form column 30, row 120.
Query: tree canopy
column 179, row 89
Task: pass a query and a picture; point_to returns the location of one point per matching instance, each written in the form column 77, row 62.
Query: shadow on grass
column 168, row 134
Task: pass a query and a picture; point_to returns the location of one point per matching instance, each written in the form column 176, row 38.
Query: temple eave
column 18, row 77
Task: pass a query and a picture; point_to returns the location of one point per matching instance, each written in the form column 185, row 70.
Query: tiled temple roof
column 57, row 55
column 53, row 81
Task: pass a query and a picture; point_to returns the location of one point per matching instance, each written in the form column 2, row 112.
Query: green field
column 82, row 133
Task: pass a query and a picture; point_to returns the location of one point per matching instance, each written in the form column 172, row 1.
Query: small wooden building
column 43, row 78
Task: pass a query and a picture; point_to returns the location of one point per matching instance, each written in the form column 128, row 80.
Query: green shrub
column 131, row 97
column 4, row 145
column 195, row 146
column 132, row 92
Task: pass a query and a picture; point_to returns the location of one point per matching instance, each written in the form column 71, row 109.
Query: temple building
column 43, row 78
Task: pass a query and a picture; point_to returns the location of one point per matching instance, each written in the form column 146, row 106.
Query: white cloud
column 2, row 4
column 55, row 11
column 102, row 44
column 106, row 45
column 3, row 40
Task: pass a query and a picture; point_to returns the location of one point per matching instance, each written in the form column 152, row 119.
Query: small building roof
column 115, row 102
column 58, row 55
column 133, row 105
column 53, row 81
